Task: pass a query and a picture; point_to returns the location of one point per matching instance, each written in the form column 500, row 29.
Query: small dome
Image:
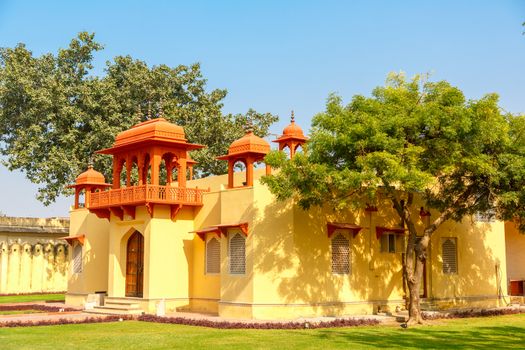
column 293, row 130
column 158, row 128
column 90, row 177
column 249, row 143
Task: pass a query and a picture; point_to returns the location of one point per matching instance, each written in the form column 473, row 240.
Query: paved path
column 46, row 316
column 79, row 315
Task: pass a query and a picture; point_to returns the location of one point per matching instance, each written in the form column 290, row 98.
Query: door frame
column 135, row 269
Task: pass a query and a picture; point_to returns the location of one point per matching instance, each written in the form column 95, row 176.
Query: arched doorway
column 135, row 265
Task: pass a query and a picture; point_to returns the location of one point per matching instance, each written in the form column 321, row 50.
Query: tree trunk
column 416, row 252
column 414, row 278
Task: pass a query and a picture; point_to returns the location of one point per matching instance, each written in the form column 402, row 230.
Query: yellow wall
column 515, row 247
column 94, row 275
column 33, row 258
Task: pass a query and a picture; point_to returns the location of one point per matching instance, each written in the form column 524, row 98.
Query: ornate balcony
column 124, row 200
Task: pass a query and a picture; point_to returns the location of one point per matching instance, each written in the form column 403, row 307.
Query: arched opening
column 123, row 175
column 299, row 149
column 171, row 163
column 82, row 198
column 135, row 265
column 287, row 151
column 146, row 170
column 134, row 173
column 163, row 173
column 238, row 167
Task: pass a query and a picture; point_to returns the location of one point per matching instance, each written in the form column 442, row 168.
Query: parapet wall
column 33, row 258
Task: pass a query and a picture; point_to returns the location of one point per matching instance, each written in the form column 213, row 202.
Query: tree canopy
column 410, row 138
column 54, row 113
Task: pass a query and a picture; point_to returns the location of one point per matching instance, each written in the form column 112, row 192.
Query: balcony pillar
column 181, row 173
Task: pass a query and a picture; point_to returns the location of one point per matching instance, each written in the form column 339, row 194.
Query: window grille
column 449, row 251
column 77, row 258
column 340, row 255
column 237, row 254
column 213, row 256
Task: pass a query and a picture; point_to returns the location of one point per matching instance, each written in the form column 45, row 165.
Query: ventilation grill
column 77, row 258
column 237, row 255
column 450, row 256
column 213, row 256
column 340, row 255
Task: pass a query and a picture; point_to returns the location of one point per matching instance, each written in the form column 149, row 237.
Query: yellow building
column 224, row 245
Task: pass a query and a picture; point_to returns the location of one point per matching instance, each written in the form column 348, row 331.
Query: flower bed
column 471, row 313
column 340, row 322
column 113, row 318
column 39, row 307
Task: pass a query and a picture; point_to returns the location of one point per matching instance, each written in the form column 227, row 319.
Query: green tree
column 410, row 139
column 54, row 114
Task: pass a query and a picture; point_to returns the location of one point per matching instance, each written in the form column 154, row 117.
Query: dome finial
column 292, row 119
column 90, row 162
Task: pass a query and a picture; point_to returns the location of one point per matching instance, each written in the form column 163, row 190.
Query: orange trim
column 332, row 226
column 129, row 210
column 101, row 213
column 243, row 226
column 174, row 210
column 70, row 239
column 118, row 212
column 380, row 230
column 221, row 229
column 202, row 233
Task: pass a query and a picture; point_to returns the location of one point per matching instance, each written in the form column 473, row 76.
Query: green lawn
column 20, row 312
column 31, row 297
column 482, row 333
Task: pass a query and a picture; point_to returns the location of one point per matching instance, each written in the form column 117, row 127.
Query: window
column 77, row 258
column 487, row 216
column 391, row 243
column 213, row 256
column 340, row 255
column 449, row 251
column 237, row 254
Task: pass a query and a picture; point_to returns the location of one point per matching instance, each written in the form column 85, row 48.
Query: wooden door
column 134, row 265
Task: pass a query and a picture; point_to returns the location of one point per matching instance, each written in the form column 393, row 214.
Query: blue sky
column 280, row 55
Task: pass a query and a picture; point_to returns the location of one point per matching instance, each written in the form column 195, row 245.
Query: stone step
column 121, row 305
column 113, row 311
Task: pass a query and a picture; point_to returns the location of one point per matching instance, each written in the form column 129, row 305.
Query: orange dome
column 158, row 128
column 249, row 143
column 293, row 130
column 90, row 177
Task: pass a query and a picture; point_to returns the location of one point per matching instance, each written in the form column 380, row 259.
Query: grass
column 31, row 297
column 20, row 312
column 483, row 333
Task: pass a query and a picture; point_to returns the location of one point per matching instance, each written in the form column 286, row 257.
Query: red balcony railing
column 136, row 195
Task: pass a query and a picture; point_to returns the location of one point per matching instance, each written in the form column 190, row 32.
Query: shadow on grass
column 496, row 337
